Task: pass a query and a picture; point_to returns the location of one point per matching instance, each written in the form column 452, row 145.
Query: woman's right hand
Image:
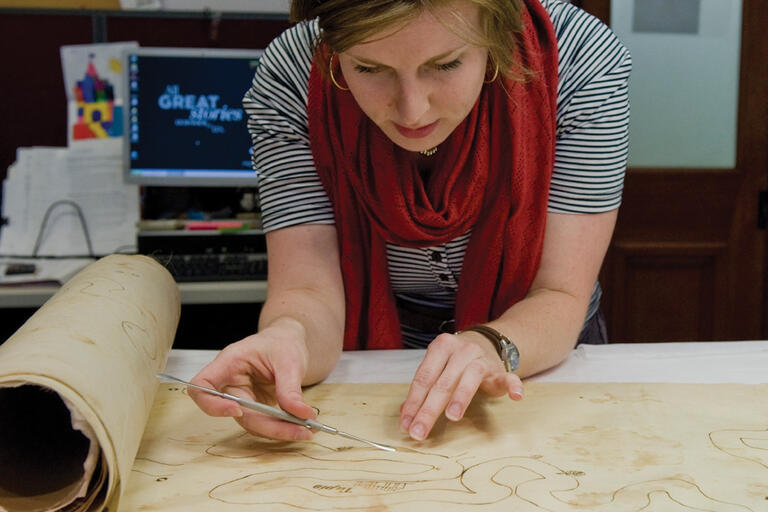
column 267, row 367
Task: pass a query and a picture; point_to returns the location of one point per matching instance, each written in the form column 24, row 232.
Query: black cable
column 80, row 215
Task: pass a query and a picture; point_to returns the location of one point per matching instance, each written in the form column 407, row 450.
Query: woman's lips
column 416, row 133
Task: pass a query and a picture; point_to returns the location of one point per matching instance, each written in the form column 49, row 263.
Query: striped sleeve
column 290, row 191
column 592, row 113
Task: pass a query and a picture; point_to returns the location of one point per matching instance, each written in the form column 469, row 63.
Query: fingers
column 446, row 381
column 216, row 375
column 213, row 405
column 503, row 384
column 465, row 390
column 425, row 377
column 273, row 428
column 435, row 382
column 247, row 370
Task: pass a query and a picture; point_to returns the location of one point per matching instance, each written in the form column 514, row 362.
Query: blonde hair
column 346, row 23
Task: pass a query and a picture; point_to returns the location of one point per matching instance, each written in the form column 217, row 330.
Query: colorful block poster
column 94, row 83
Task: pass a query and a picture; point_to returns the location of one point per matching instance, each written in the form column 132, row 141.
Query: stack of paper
column 54, row 180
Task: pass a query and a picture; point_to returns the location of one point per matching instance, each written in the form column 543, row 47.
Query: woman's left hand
column 454, row 368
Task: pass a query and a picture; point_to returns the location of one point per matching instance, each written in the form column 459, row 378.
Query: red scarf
column 491, row 175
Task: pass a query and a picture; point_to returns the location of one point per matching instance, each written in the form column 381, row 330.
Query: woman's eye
column 365, row 69
column 449, row 65
column 440, row 67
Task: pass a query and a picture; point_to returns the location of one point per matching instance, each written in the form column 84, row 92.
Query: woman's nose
column 412, row 101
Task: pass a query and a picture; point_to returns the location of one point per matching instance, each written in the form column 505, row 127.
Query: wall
column 32, row 96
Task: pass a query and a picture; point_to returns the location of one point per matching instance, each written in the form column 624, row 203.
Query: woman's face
column 420, row 80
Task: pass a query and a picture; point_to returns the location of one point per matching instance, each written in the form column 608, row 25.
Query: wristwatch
column 506, row 349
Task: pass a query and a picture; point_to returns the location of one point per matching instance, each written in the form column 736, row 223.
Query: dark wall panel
column 32, row 98
column 195, row 32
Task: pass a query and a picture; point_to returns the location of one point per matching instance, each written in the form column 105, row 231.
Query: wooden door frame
column 752, row 152
column 746, row 252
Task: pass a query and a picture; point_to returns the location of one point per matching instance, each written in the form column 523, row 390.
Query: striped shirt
column 590, row 154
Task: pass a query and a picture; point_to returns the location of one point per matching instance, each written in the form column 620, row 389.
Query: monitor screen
column 185, row 124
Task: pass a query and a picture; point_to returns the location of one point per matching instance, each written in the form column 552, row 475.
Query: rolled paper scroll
column 77, row 382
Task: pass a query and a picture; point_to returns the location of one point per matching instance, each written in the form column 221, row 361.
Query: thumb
column 500, row 384
column 514, row 387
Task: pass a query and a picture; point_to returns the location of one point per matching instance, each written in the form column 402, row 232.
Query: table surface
column 743, row 362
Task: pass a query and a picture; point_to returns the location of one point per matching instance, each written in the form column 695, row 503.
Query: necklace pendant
column 429, row 152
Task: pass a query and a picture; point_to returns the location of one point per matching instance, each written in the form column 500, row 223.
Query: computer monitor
column 185, row 125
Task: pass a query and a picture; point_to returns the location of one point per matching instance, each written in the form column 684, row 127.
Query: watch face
column 511, row 356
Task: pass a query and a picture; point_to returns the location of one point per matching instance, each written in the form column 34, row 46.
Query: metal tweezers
column 278, row 413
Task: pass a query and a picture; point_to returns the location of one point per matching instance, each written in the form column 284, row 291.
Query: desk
column 701, row 362
column 213, row 313
column 224, row 292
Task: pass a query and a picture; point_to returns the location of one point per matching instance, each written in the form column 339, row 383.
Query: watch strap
column 506, row 349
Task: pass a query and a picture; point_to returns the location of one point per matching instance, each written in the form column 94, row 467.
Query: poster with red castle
column 93, row 78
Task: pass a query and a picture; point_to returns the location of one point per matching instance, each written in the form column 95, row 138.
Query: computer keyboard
column 215, row 267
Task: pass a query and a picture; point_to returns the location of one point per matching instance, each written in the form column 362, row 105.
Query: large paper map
column 566, row 447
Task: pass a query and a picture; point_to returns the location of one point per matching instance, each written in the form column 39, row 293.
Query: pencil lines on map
column 158, row 462
column 102, row 287
column 326, row 483
column 530, row 479
column 159, row 477
column 313, row 476
column 140, row 323
column 322, row 478
column 354, row 479
column 681, row 492
column 751, row 445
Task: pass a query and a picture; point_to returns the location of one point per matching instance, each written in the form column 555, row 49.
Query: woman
column 443, row 174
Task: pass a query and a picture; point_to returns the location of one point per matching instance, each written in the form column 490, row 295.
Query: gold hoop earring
column 333, row 79
column 495, row 75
